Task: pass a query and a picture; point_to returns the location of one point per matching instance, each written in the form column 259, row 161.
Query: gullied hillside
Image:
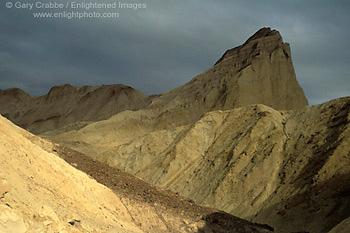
column 286, row 168
column 65, row 104
column 40, row 192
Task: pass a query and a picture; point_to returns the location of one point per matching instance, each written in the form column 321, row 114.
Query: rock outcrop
column 262, row 73
column 258, row 72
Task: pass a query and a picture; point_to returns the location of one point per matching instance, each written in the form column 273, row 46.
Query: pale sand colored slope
column 46, row 193
column 40, row 192
column 100, row 136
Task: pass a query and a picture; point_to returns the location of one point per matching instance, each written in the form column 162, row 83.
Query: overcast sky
column 165, row 45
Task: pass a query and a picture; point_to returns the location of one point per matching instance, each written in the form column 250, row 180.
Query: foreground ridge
column 44, row 194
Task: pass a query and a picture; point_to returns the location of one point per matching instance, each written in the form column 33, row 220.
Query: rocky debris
column 136, row 189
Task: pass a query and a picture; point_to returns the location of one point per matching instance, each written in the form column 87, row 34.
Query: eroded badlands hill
column 289, row 169
column 285, row 168
column 40, row 192
column 239, row 137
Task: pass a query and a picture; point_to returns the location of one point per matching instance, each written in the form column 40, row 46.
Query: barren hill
column 288, row 169
column 65, row 104
column 284, row 168
column 40, row 192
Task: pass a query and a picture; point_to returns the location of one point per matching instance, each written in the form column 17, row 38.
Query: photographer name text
column 75, row 5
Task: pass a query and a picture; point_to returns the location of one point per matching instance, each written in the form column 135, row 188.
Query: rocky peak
column 264, row 40
column 263, row 33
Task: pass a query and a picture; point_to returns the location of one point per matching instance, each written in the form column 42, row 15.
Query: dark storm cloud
column 165, row 45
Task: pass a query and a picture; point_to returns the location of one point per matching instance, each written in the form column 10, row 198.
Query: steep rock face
column 288, row 169
column 40, row 192
column 66, row 104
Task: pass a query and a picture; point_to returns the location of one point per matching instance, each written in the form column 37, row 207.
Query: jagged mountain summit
column 267, row 69
column 258, row 72
column 264, row 39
